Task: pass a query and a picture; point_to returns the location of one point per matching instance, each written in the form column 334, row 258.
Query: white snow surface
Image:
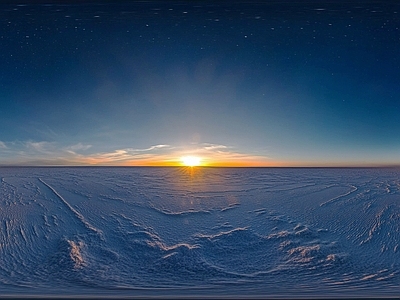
column 218, row 232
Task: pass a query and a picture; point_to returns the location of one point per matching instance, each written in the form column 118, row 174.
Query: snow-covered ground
column 200, row 232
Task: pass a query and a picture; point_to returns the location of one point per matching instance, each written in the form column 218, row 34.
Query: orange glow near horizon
column 191, row 161
column 184, row 162
column 207, row 162
column 176, row 160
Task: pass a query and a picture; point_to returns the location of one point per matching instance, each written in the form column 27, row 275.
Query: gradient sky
column 298, row 83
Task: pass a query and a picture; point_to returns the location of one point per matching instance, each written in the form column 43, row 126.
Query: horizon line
column 220, row 167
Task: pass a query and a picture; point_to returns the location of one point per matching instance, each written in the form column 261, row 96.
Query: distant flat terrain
column 199, row 232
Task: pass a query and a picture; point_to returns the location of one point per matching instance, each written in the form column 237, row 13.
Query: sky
column 237, row 83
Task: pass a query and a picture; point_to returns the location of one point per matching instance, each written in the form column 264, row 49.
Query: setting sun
column 191, row 161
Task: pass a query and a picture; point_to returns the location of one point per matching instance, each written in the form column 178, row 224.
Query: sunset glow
column 191, row 161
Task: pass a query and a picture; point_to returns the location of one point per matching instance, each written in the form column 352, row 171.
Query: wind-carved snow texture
column 199, row 231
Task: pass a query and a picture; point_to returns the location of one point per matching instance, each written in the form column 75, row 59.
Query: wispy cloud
column 41, row 147
column 224, row 155
column 50, row 153
column 78, row 147
column 214, row 146
column 155, row 147
column 113, row 156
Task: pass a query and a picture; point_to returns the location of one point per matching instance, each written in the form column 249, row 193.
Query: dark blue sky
column 257, row 83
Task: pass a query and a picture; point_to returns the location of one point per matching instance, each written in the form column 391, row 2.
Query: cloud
column 41, row 147
column 78, row 147
column 214, row 146
column 155, row 147
column 51, row 153
column 115, row 155
column 223, row 155
column 124, row 156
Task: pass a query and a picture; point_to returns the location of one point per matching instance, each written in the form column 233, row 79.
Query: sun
column 191, row 161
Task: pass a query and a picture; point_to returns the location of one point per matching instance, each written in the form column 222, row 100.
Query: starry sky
column 239, row 83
